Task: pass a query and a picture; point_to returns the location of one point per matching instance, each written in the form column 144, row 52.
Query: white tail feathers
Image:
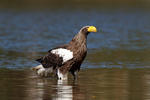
column 41, row 71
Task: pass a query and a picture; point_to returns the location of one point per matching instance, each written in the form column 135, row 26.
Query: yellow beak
column 92, row 29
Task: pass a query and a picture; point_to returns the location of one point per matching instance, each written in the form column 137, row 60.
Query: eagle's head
column 87, row 29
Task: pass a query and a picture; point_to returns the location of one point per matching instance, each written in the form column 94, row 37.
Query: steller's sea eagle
column 65, row 58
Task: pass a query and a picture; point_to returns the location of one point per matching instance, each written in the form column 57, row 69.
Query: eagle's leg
column 62, row 76
column 74, row 73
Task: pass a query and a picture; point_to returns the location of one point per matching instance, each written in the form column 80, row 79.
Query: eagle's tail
column 41, row 71
column 39, row 60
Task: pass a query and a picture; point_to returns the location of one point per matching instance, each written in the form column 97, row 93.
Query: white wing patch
column 64, row 53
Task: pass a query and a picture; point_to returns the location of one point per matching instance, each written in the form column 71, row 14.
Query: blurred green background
column 41, row 4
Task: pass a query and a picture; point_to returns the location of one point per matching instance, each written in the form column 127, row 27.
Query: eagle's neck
column 78, row 45
column 79, row 39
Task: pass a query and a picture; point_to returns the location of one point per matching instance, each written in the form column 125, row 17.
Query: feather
column 64, row 53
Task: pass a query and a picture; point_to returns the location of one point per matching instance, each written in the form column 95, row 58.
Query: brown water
column 92, row 84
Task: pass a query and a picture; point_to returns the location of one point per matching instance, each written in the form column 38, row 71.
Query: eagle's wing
column 56, row 57
column 50, row 60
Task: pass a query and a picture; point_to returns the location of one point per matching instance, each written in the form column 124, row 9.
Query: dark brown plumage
column 67, row 57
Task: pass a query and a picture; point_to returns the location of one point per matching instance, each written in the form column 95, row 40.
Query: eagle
column 65, row 58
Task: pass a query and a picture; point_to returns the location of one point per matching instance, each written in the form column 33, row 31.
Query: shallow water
column 92, row 84
column 116, row 67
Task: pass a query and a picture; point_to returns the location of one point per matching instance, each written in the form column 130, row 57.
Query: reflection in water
column 48, row 89
column 147, row 86
column 64, row 91
column 97, row 84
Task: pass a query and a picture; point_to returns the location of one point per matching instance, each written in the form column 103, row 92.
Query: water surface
column 92, row 84
column 122, row 38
